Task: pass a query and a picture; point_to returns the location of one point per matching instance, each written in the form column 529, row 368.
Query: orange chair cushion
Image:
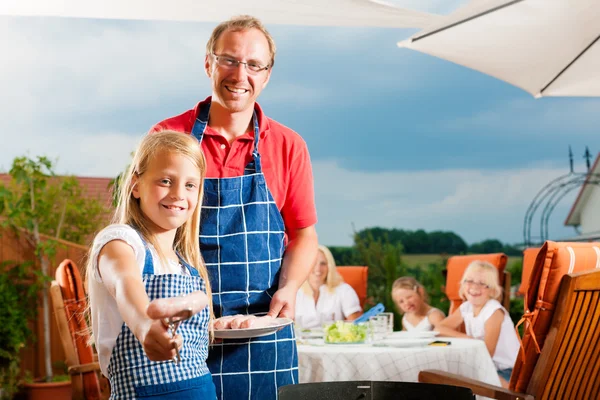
column 554, row 260
column 456, row 267
column 529, row 256
column 69, row 279
column 357, row 278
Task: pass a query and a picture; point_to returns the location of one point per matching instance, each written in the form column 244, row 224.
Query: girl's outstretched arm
column 492, row 330
column 121, row 275
column 174, row 306
column 449, row 325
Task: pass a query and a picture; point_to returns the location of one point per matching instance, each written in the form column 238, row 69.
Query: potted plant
column 43, row 208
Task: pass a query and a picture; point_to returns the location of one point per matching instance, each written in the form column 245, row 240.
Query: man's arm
column 299, row 258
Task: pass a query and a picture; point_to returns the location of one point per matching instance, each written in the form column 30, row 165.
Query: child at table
column 411, row 299
column 484, row 317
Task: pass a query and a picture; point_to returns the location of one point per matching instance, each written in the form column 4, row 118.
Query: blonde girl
column 412, row 301
column 145, row 269
column 484, row 317
column 324, row 296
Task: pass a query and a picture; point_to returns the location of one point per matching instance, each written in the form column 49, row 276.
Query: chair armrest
column 478, row 387
column 83, row 368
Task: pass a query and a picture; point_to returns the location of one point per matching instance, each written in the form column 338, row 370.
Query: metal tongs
column 172, row 324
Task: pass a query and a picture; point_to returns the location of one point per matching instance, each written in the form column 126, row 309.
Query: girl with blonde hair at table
column 412, row 301
column 145, row 273
column 484, row 317
column 324, row 296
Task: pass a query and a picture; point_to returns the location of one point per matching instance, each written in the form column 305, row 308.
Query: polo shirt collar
column 263, row 121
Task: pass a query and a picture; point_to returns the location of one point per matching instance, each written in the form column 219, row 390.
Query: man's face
column 236, row 87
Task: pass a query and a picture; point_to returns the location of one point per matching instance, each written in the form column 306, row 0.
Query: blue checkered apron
column 133, row 376
column 242, row 242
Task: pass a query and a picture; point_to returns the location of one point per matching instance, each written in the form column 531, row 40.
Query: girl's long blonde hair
column 333, row 279
column 129, row 212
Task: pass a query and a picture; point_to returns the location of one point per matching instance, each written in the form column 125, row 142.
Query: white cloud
column 102, row 154
column 475, row 204
column 59, row 67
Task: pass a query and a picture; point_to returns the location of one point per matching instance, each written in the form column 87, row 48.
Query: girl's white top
column 331, row 306
column 507, row 347
column 423, row 325
column 106, row 319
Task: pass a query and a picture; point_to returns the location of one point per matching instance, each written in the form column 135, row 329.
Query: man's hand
column 283, row 303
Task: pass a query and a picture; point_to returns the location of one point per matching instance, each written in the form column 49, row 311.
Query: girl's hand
column 155, row 336
column 157, row 342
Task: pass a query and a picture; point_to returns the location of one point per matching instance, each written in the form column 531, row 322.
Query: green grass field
column 423, row 260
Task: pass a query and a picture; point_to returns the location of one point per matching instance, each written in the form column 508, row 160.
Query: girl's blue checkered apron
column 133, row 376
column 242, row 242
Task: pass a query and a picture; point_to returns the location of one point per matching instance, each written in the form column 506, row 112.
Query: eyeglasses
column 480, row 285
column 251, row 66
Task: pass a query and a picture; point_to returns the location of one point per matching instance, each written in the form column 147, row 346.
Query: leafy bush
column 385, row 265
column 18, row 291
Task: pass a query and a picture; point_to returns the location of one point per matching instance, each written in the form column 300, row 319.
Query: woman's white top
column 507, row 347
column 331, row 306
column 423, row 325
column 106, row 319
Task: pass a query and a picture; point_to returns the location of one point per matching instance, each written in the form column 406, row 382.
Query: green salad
column 345, row 332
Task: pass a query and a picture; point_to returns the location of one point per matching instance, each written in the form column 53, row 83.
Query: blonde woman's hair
column 129, row 212
column 490, row 278
column 241, row 23
column 410, row 283
column 333, row 280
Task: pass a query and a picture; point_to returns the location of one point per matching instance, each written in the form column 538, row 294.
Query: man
column 257, row 230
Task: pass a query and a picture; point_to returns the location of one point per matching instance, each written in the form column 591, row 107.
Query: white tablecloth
column 326, row 363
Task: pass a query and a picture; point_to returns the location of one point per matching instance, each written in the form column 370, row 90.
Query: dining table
column 398, row 357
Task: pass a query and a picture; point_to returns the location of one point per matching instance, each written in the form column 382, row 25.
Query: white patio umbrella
column 546, row 47
column 294, row 12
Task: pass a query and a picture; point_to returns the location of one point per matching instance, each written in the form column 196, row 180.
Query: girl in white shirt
column 324, row 297
column 484, row 317
column 411, row 299
column 140, row 277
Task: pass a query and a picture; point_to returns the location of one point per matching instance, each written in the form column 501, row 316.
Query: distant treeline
column 421, row 242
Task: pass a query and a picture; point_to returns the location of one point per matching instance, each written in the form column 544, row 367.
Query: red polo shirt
column 284, row 158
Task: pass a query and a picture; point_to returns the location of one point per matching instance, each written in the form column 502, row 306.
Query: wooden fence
column 16, row 248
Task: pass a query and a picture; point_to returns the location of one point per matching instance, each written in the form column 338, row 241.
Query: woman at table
column 324, row 297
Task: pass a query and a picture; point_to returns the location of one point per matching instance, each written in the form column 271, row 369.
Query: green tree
column 487, row 246
column 344, row 255
column 38, row 203
column 384, row 260
column 419, row 241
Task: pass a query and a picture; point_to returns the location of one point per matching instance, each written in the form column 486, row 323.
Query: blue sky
column 397, row 138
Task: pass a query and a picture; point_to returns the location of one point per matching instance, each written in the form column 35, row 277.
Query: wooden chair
column 456, row 266
column 569, row 365
column 529, row 256
column 357, row 278
column 69, row 301
column 553, row 261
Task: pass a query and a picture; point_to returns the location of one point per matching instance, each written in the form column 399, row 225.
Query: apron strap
column 148, row 263
column 192, row 271
column 200, row 127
